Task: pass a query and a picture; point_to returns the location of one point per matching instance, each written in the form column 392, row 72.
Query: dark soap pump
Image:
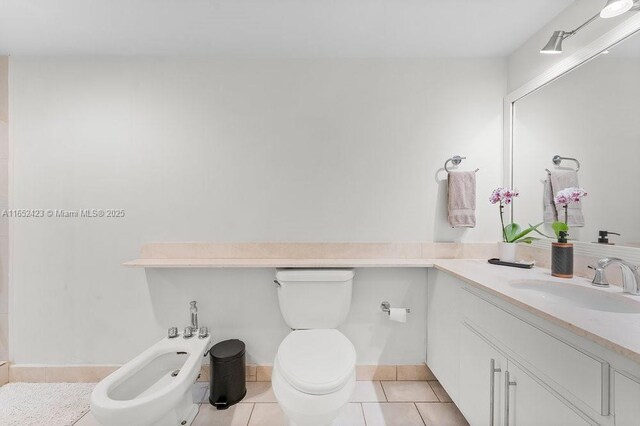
column 562, row 257
column 603, row 237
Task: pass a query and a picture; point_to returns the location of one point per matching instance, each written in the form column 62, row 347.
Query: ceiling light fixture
column 615, row 8
column 554, row 47
column 611, row 9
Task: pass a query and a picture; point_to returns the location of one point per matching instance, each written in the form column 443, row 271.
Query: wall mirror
column 581, row 123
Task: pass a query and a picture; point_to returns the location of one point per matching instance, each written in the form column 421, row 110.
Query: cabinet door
column 481, row 372
column 627, row 398
column 443, row 330
column 527, row 402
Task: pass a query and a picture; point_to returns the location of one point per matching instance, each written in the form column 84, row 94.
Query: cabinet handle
column 492, row 386
column 507, row 384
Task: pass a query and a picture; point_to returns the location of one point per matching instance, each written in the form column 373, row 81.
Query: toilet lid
column 316, row 362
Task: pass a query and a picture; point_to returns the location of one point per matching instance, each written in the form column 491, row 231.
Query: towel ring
column 557, row 160
column 455, row 160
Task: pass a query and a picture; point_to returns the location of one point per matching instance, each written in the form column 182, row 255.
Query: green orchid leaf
column 559, row 226
column 511, row 231
column 518, row 235
column 537, row 231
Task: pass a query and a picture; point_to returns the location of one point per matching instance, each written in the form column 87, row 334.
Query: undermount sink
column 582, row 297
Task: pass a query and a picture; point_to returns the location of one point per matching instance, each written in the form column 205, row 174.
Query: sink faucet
column 630, row 275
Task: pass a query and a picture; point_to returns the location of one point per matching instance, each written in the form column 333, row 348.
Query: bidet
column 153, row 389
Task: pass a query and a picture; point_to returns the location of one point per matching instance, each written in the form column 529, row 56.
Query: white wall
column 251, row 150
column 589, row 115
column 526, row 63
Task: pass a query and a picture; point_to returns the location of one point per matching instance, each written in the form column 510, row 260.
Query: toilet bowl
column 314, row 376
column 154, row 388
column 314, row 372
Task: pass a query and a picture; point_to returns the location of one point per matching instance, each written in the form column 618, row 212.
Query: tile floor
column 393, row 403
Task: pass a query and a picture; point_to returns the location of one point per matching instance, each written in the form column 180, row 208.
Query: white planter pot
column 507, row 251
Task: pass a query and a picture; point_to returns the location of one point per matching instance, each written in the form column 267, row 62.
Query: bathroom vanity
column 523, row 348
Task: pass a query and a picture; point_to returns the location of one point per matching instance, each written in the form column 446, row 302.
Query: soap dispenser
column 562, row 257
column 603, row 237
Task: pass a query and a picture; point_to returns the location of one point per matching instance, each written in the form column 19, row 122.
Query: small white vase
column 507, row 251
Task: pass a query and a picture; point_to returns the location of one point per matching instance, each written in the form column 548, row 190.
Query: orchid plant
column 512, row 233
column 564, row 198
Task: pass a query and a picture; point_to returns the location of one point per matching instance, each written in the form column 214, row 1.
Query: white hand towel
column 462, row 199
column 563, row 179
column 550, row 214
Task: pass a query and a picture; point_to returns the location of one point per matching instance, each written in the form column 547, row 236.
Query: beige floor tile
column 237, row 415
column 205, row 372
column 391, row 414
column 271, row 415
column 351, row 415
column 442, row 394
column 77, row 373
column 263, row 373
column 4, row 335
column 409, row 391
column 200, row 391
column 414, row 372
column 441, row 414
column 87, row 420
column 368, row 392
column 251, row 372
column 375, row 372
column 267, row 415
column 26, row 374
column 259, row 392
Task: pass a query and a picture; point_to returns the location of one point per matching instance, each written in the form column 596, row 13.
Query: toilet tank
column 314, row 298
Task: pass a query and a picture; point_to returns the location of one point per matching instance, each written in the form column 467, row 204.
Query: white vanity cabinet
column 627, row 400
column 443, row 330
column 494, row 391
column 482, row 370
column 529, row 403
column 503, row 366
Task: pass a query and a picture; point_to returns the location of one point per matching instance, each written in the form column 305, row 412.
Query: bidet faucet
column 630, row 275
column 194, row 315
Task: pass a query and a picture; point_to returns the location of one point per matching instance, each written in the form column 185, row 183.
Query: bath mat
column 51, row 404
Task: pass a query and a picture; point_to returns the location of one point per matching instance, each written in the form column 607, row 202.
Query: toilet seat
column 316, row 362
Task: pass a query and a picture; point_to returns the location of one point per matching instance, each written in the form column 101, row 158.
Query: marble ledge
column 271, row 255
column 280, row 263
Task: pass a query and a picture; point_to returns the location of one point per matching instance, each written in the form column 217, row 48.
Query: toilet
column 154, row 388
column 314, row 372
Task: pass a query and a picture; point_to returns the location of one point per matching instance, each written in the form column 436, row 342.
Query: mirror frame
column 614, row 36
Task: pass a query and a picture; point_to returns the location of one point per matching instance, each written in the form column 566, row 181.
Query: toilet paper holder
column 386, row 307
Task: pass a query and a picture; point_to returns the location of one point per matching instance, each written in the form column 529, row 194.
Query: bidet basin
column 578, row 296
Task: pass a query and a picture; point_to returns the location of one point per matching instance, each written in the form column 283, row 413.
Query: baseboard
column 255, row 373
column 4, row 373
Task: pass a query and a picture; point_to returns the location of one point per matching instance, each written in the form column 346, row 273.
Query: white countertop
column 614, row 329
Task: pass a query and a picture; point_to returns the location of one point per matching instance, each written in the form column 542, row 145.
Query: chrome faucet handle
column 188, row 332
column 203, row 332
column 172, row 333
column 599, row 279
